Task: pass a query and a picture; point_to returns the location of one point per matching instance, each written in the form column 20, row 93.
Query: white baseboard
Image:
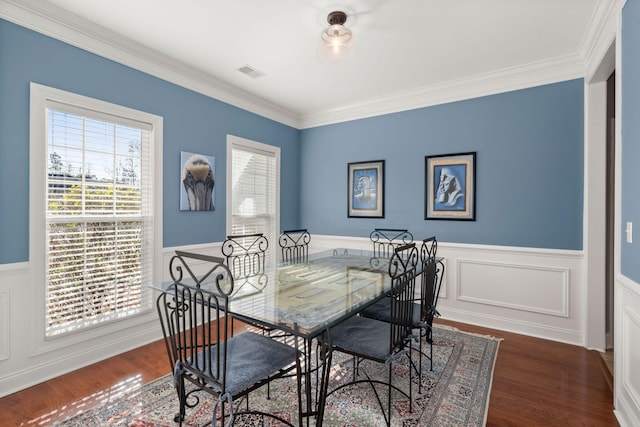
column 512, row 325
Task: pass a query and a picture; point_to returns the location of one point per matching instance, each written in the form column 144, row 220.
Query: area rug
column 455, row 393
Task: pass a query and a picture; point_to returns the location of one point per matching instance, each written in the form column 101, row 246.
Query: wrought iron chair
column 386, row 240
column 202, row 352
column 424, row 310
column 432, row 274
column 364, row 338
column 295, row 245
column 245, row 254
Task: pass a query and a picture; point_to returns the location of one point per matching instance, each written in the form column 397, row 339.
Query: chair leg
column 411, row 381
column 269, row 383
column 324, row 382
column 182, row 398
column 388, row 416
column 431, row 353
column 355, row 367
column 420, row 361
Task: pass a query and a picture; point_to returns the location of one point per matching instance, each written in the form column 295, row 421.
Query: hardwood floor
column 536, row 383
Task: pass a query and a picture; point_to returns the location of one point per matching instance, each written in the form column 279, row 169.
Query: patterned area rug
column 455, row 393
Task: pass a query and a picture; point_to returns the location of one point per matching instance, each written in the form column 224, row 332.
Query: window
column 94, row 200
column 253, row 189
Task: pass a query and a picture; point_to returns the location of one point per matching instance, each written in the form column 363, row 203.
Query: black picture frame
column 365, row 189
column 450, row 187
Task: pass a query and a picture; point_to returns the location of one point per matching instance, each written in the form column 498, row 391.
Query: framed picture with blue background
column 366, row 189
column 450, row 186
column 197, row 181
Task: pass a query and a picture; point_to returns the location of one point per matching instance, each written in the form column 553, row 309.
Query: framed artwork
column 450, row 186
column 197, row 182
column 365, row 189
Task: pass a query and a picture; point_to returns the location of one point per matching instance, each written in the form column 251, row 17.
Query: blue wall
column 630, row 145
column 529, row 165
column 192, row 122
column 529, row 146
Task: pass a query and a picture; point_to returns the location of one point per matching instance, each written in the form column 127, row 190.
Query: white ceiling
column 400, row 48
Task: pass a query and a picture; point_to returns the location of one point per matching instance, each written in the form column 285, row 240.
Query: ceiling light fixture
column 337, row 37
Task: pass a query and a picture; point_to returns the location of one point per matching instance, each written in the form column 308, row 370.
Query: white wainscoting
column 530, row 291
column 627, row 352
column 12, row 276
column 21, row 367
column 537, row 292
column 509, row 285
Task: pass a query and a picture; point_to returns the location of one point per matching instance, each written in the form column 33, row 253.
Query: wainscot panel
column 20, row 367
column 627, row 352
column 12, row 276
column 536, row 292
column 507, row 285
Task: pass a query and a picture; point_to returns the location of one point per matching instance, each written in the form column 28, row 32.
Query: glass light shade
column 336, row 35
column 336, row 44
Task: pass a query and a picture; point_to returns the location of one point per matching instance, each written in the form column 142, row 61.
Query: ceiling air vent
column 250, row 71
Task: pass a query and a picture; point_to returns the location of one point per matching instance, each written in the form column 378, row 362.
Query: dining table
column 305, row 300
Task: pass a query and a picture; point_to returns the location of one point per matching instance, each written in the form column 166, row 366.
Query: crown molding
column 601, row 36
column 602, row 30
column 50, row 20
column 506, row 80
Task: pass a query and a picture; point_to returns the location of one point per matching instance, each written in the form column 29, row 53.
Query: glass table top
column 306, row 298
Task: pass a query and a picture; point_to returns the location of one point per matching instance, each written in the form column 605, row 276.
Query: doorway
column 610, row 219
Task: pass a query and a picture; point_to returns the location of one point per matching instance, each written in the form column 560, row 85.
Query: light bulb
column 335, row 43
column 337, row 39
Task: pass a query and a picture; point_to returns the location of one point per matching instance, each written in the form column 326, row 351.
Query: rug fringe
column 474, row 334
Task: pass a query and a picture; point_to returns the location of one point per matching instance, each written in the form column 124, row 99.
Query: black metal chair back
column 196, row 326
column 402, row 270
column 432, row 274
column 245, row 254
column 295, row 245
column 195, row 321
column 386, row 240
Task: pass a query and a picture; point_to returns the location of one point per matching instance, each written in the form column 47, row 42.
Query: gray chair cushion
column 363, row 336
column 381, row 310
column 251, row 358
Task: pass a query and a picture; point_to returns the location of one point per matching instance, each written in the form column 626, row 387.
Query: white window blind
column 99, row 218
column 254, row 187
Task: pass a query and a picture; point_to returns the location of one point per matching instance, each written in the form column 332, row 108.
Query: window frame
column 249, row 145
column 38, row 162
